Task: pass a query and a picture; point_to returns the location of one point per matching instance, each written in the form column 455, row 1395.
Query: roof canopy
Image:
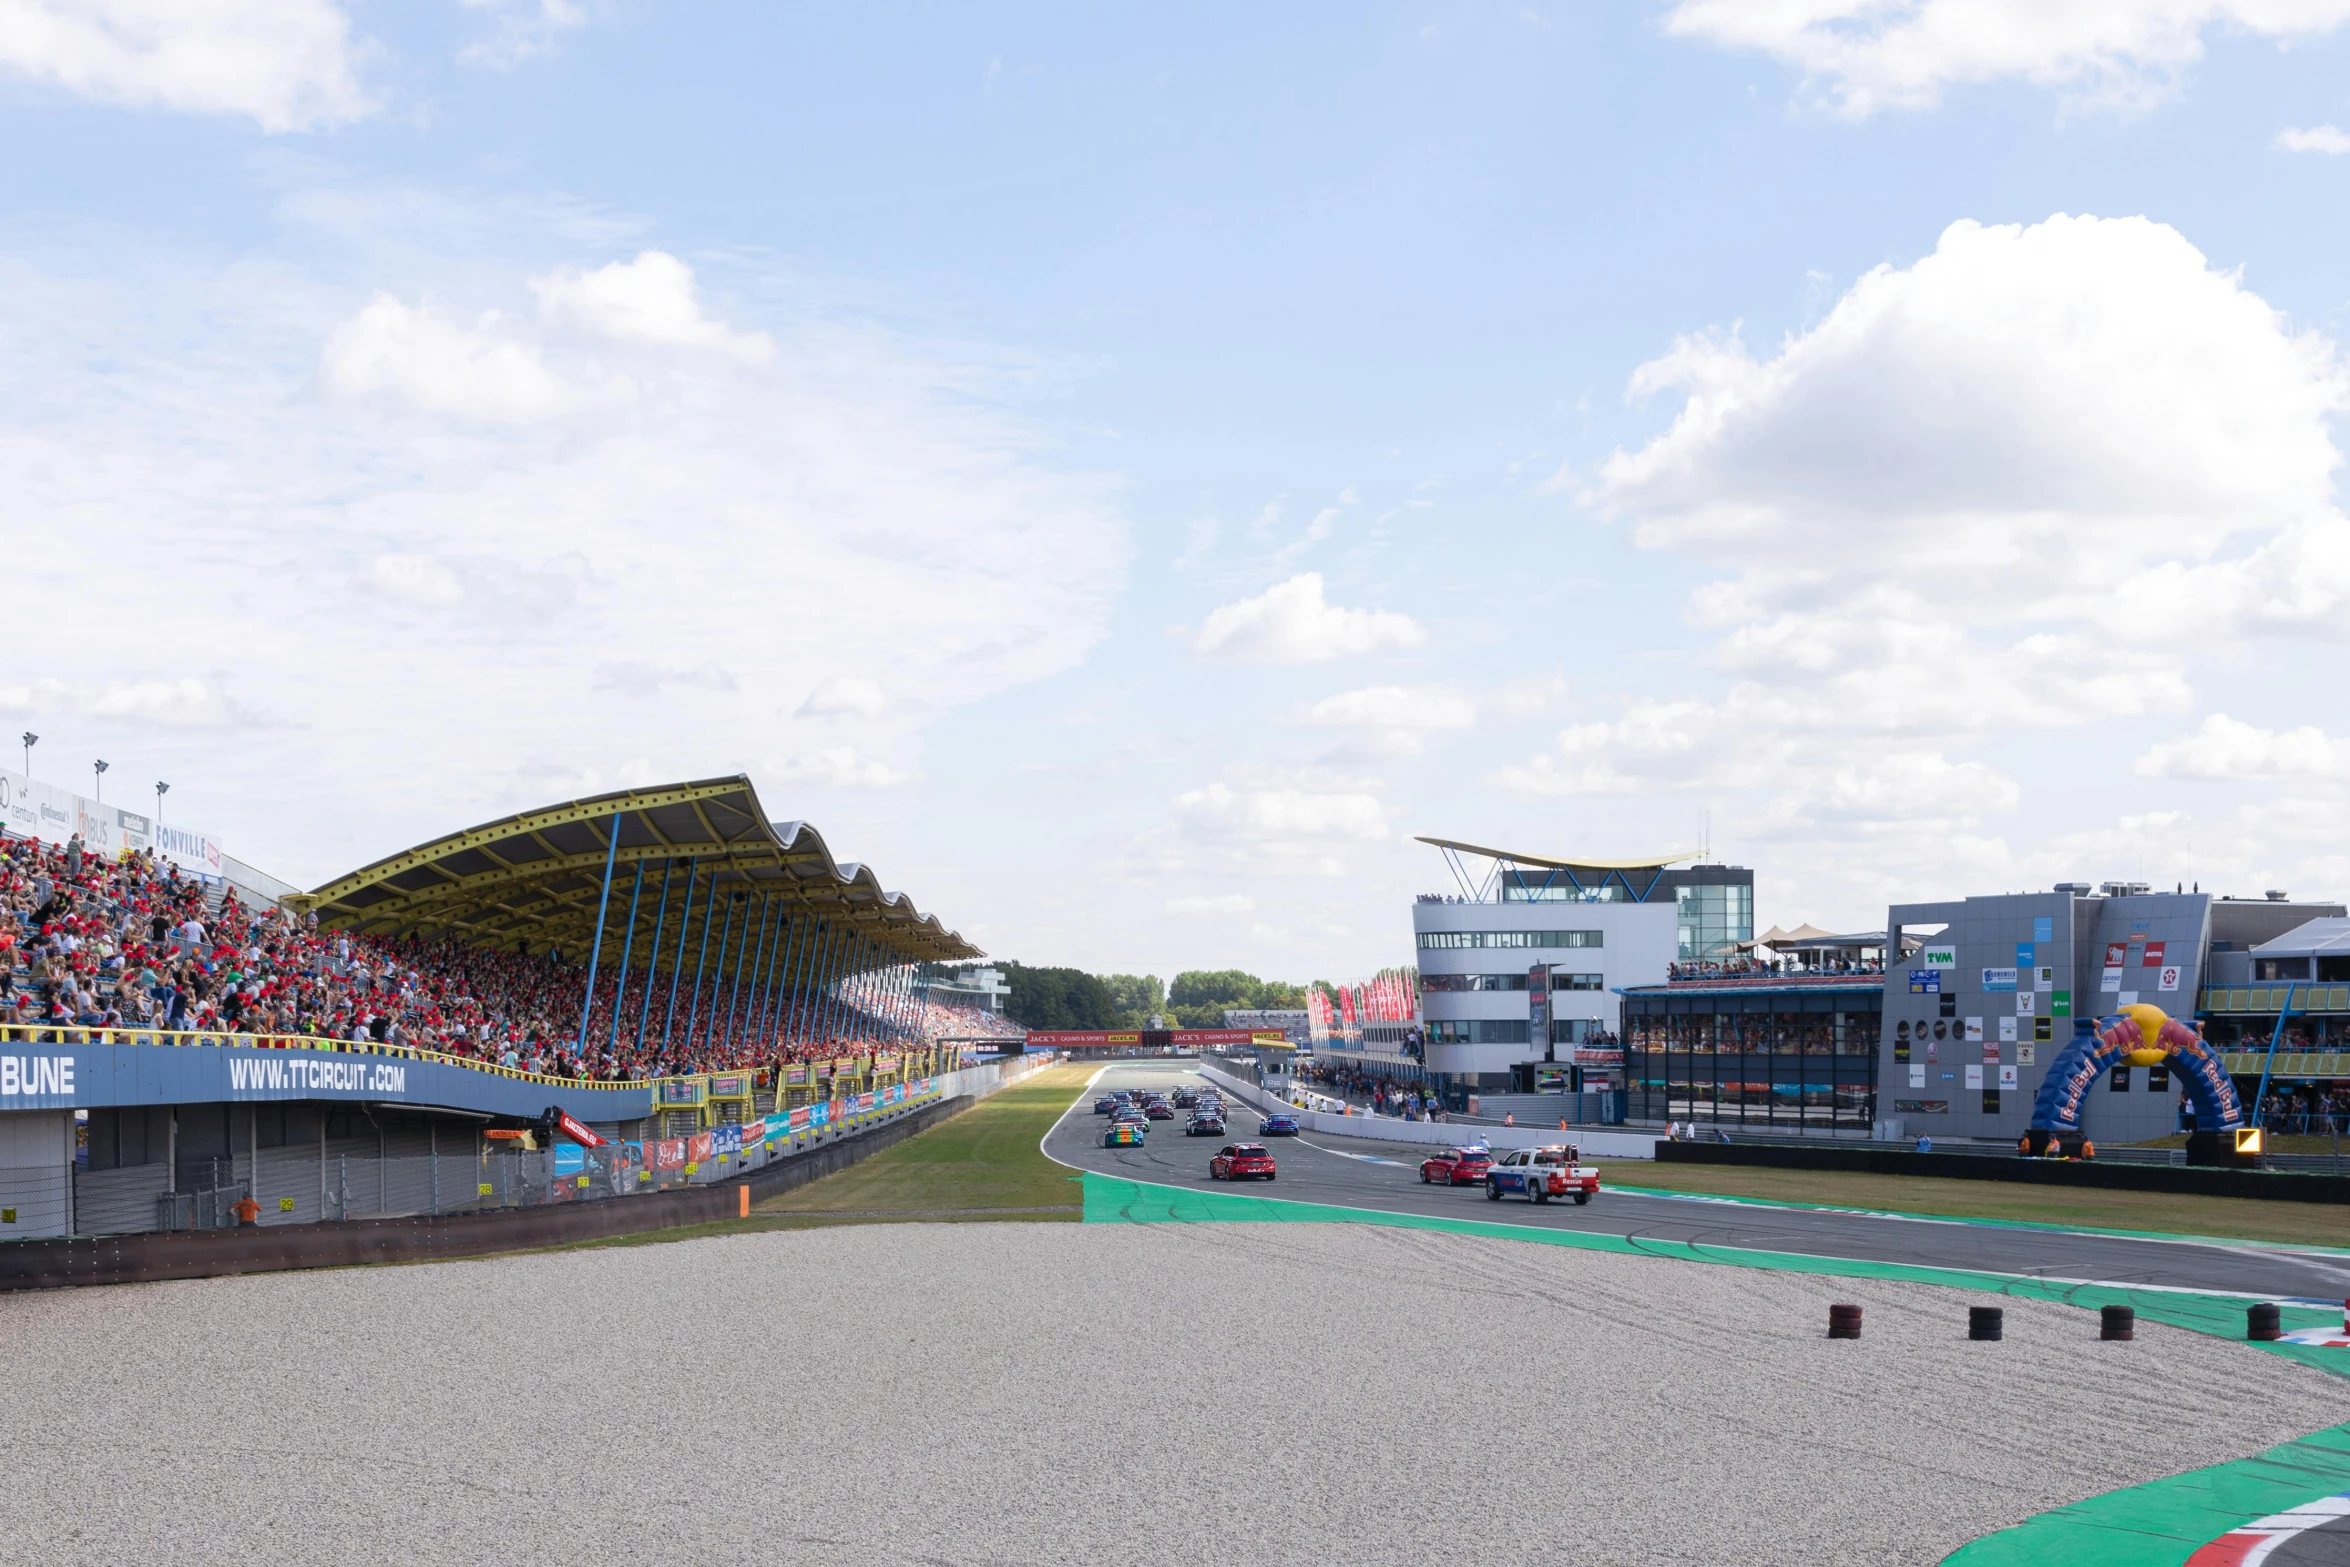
column 536, row 877
column 2320, row 937
column 1653, row 862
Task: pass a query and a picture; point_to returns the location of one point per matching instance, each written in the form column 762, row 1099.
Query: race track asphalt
column 1359, row 1173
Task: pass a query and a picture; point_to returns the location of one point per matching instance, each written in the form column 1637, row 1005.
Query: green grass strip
column 2161, row 1523
column 1113, row 1200
column 1983, row 1221
column 985, row 1158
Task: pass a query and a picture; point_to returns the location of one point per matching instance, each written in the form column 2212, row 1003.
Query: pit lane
column 1385, row 1176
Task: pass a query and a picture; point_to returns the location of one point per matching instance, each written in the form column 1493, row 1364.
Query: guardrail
column 1593, row 1141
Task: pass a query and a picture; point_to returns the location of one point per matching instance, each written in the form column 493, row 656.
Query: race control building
column 1520, row 968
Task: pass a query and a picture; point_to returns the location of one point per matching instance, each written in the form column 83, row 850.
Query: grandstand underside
column 680, row 857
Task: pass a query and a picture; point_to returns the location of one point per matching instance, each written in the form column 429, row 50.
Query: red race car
column 1456, row 1166
column 1240, row 1161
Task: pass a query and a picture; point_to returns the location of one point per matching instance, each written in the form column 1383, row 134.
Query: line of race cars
column 1537, row 1174
column 1131, row 1112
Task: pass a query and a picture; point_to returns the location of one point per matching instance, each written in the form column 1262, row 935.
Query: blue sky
column 1125, row 472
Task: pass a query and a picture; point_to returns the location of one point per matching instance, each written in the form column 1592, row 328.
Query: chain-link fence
column 405, row 1171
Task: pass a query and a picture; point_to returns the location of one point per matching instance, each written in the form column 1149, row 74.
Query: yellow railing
column 47, row 1033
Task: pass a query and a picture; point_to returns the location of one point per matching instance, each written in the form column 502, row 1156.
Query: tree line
column 1043, row 997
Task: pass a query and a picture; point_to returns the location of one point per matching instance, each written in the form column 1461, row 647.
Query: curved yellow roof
column 1653, row 862
column 535, row 876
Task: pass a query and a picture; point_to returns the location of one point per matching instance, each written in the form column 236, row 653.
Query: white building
column 1594, row 926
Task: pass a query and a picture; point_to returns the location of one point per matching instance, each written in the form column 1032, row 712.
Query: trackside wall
column 1594, row 1144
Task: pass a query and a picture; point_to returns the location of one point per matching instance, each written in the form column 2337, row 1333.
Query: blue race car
column 1106, row 1105
column 1277, row 1125
column 1123, row 1134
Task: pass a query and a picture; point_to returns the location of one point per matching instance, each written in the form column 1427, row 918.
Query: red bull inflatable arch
column 2139, row 1035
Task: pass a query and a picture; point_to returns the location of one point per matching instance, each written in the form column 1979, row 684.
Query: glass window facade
column 1516, row 891
column 1480, row 1031
column 1455, row 940
column 1755, row 1060
column 1461, row 983
column 1713, row 919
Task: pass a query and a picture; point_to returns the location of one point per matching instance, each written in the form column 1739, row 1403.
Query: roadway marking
column 2304, row 1259
column 1366, row 1158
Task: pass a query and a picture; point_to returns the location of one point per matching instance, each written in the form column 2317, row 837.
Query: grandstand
column 661, row 964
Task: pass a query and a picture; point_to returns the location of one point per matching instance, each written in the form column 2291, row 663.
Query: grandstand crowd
column 130, row 942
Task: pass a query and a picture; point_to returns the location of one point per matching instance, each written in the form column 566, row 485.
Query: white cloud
column 2227, row 748
column 1225, row 905
column 1281, row 815
column 1986, row 489
column 525, row 28
column 640, row 677
column 1291, row 623
column 1862, row 56
column 422, row 358
column 477, row 572
column 288, row 65
column 838, row 767
column 420, row 579
column 2328, row 139
column 1393, row 720
column 845, row 694
column 649, row 300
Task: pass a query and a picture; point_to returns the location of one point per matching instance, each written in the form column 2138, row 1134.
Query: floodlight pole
column 30, row 740
column 587, row 1002
column 161, row 789
column 98, row 787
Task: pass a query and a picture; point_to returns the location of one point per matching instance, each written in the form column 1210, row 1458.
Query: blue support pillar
column 763, row 995
column 734, row 993
column 810, row 940
column 644, row 1012
column 825, row 976
column 693, row 1015
column 627, row 948
column 587, row 1002
column 685, row 920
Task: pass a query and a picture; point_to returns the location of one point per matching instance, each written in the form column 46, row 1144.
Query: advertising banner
column 734, row 1085
column 51, row 1076
column 698, row 1148
column 796, row 1076
column 668, row 1153
column 578, row 1131
column 32, row 809
column 727, row 1138
column 818, row 1115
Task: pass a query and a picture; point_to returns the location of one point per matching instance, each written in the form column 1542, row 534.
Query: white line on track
column 2313, row 1262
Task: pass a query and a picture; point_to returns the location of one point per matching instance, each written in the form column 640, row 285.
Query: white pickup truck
column 1541, row 1174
